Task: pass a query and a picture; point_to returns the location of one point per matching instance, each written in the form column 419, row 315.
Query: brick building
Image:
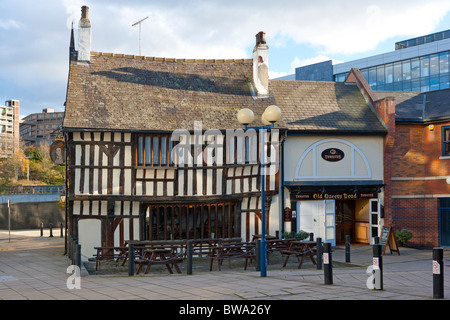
column 41, row 128
column 417, row 155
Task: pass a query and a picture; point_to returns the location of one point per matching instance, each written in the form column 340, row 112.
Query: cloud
column 274, row 75
column 73, row 10
column 217, row 29
column 34, row 35
column 9, row 24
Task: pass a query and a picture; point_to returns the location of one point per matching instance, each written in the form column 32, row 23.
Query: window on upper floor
column 154, row 150
column 446, row 141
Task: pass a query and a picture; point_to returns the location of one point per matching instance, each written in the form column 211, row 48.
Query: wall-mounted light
column 431, row 127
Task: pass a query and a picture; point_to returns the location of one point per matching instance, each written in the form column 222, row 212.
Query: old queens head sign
column 333, row 154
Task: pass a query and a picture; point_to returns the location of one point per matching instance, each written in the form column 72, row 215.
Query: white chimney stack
column 261, row 65
column 84, row 36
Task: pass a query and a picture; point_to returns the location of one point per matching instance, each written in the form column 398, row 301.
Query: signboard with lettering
column 333, row 196
column 388, row 239
column 333, row 154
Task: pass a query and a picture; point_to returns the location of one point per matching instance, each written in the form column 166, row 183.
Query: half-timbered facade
column 155, row 151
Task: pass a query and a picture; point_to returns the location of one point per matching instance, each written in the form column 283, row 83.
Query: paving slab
column 34, row 267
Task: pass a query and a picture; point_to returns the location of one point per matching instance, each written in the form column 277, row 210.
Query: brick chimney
column 84, row 36
column 261, row 65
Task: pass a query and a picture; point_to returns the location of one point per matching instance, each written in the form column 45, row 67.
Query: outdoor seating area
column 300, row 249
column 172, row 255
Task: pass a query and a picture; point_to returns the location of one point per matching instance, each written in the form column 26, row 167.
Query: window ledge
column 444, row 157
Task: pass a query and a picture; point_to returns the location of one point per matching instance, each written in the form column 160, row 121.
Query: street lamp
column 271, row 115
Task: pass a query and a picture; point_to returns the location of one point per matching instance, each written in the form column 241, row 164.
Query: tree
column 42, row 167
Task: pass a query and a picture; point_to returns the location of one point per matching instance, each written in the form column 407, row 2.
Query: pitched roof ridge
column 165, row 59
column 316, row 82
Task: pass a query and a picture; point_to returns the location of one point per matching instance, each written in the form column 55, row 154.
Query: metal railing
column 35, row 190
column 74, row 251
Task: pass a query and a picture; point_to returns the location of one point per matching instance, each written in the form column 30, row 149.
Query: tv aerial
column 140, row 31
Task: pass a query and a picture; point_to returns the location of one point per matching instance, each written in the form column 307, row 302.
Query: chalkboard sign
column 388, row 239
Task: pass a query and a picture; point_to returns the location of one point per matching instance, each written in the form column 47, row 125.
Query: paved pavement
column 35, row 268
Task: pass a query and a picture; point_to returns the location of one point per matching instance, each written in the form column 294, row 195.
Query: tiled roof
column 120, row 92
column 325, row 106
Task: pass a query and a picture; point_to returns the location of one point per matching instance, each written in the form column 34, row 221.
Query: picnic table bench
column 277, row 245
column 109, row 253
column 156, row 256
column 228, row 251
column 140, row 246
column 205, row 246
column 300, row 249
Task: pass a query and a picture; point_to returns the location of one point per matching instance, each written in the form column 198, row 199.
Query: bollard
column 131, row 255
column 189, row 257
column 347, row 248
column 70, row 247
column 61, row 230
column 376, row 240
column 79, row 256
column 377, row 270
column 74, row 252
column 51, row 231
column 42, row 229
column 311, row 236
column 438, row 273
column 258, row 255
column 327, row 263
column 319, row 253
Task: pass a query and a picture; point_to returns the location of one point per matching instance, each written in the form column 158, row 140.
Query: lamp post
column 271, row 115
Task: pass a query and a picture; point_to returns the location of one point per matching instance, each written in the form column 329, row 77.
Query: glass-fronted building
column 425, row 73
column 418, row 64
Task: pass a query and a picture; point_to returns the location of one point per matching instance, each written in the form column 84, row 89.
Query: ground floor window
column 192, row 221
column 444, row 208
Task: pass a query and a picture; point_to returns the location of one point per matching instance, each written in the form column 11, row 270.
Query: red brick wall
column 433, row 150
column 408, row 157
column 416, row 154
column 421, row 217
column 410, row 151
column 386, row 109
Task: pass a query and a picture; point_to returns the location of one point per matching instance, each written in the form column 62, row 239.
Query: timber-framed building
column 126, row 179
column 155, row 151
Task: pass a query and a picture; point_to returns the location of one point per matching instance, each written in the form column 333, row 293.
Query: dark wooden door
column 345, row 215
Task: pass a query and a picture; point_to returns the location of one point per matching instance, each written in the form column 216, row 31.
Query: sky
column 35, row 35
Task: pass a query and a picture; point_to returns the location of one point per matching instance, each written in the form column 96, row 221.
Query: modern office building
column 419, row 64
column 9, row 128
column 41, row 128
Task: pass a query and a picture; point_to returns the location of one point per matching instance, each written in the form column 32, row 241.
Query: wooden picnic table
column 274, row 244
column 259, row 236
column 245, row 250
column 204, row 246
column 301, row 249
column 140, row 246
column 109, row 253
column 157, row 256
